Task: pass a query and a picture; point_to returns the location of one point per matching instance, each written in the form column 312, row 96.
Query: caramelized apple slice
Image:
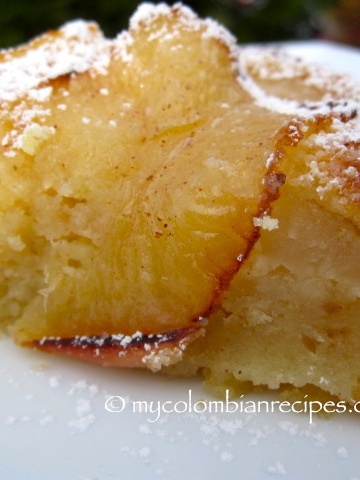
column 136, row 351
column 133, row 188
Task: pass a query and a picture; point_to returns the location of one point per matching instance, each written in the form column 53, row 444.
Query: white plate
column 339, row 58
column 54, row 424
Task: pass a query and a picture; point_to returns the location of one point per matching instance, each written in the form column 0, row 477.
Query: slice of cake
column 131, row 174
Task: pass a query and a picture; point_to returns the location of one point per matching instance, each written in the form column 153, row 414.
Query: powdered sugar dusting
column 77, row 47
column 336, row 166
column 293, row 107
column 342, row 452
column 337, row 92
column 186, row 17
column 218, row 32
column 147, row 12
column 84, row 416
column 155, row 360
column 274, row 64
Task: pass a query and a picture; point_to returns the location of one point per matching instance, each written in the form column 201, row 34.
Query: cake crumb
column 32, row 137
column 266, row 223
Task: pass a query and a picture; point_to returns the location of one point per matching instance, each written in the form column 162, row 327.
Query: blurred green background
column 249, row 20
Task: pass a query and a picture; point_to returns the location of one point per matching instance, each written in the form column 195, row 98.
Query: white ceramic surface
column 54, row 424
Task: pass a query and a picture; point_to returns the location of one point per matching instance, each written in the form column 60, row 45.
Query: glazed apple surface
column 129, row 190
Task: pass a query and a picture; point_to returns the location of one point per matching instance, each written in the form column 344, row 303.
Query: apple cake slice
column 130, row 179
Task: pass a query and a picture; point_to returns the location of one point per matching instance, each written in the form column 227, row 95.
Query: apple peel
column 136, row 351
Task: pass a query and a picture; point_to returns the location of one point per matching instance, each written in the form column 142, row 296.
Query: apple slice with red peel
column 136, row 351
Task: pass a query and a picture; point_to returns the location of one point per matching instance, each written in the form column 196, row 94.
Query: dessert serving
column 171, row 200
